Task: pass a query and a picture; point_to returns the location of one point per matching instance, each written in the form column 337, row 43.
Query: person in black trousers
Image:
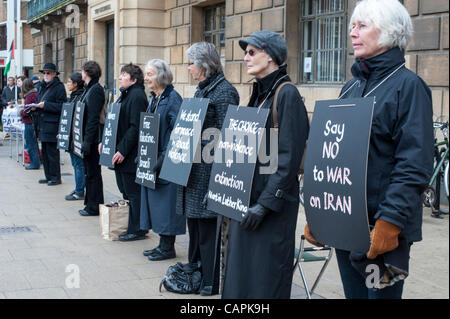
column 51, row 97
column 133, row 101
column 94, row 100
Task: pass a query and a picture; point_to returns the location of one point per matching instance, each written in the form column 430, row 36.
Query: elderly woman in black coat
column 52, row 95
column 400, row 152
column 158, row 206
column 205, row 67
column 260, row 250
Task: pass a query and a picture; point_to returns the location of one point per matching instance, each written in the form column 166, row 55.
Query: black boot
column 166, row 249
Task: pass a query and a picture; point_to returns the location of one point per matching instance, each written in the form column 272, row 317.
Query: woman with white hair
column 400, row 154
column 158, row 205
column 205, row 67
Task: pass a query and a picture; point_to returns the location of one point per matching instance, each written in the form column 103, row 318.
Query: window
column 214, row 27
column 323, row 33
column 3, row 45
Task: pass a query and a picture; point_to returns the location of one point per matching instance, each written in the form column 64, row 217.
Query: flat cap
column 271, row 42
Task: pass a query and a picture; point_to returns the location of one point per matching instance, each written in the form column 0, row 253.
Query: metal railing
column 39, row 8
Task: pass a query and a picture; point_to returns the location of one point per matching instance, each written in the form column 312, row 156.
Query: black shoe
column 43, row 181
column 131, row 237
column 29, row 167
column 75, row 196
column 84, row 212
column 53, row 183
column 160, row 254
column 147, row 253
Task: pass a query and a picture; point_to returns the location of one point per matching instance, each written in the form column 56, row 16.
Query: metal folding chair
column 308, row 254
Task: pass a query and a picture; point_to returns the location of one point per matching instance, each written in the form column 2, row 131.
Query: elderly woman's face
column 365, row 40
column 257, row 60
column 198, row 74
column 125, row 80
column 151, row 78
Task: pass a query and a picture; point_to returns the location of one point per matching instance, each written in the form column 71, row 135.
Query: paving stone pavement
column 40, row 263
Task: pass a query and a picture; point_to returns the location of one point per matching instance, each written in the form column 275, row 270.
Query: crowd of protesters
column 260, row 249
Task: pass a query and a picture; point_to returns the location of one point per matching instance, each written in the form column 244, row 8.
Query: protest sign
column 110, row 135
column 65, row 126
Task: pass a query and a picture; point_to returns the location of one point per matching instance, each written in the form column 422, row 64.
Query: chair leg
column 302, row 274
column 330, row 254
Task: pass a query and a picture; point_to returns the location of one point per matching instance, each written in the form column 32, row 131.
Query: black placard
column 65, row 126
column 184, row 141
column 235, row 158
column 77, row 129
column 110, row 135
column 336, row 173
column 147, row 149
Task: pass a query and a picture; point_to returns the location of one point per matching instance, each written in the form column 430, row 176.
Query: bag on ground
column 114, row 219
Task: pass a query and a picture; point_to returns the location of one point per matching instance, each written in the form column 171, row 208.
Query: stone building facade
column 320, row 53
column 59, row 32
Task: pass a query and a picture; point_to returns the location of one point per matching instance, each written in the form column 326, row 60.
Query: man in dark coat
column 94, row 100
column 133, row 101
column 52, row 95
column 9, row 93
column 260, row 252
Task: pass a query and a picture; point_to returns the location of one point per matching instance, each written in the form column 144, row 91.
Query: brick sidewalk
column 33, row 264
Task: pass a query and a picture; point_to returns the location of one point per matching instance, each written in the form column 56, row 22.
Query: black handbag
column 182, row 278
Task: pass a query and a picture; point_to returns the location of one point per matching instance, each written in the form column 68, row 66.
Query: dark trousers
column 355, row 285
column 93, row 181
column 131, row 191
column 50, row 161
column 167, row 242
column 202, row 247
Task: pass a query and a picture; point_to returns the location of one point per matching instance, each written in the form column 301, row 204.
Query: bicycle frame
column 441, row 161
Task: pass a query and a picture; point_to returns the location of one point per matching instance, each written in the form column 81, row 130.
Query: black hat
column 49, row 67
column 269, row 41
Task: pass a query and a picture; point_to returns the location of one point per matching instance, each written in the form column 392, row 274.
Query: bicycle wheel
column 300, row 192
column 429, row 197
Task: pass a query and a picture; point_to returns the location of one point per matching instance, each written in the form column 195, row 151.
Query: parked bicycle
column 441, row 153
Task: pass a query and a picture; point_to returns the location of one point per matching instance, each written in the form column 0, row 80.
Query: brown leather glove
column 384, row 238
column 309, row 237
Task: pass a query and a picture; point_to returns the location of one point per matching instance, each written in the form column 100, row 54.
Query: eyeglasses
column 190, row 63
column 47, row 73
column 250, row 52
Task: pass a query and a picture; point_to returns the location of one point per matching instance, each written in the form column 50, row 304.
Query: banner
column 336, row 173
column 184, row 141
column 110, row 135
column 77, row 129
column 65, row 126
column 235, row 159
column 147, row 149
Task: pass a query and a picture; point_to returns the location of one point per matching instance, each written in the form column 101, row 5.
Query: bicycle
column 431, row 195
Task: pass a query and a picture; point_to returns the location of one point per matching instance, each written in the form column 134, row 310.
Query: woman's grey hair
column 164, row 75
column 391, row 19
column 205, row 56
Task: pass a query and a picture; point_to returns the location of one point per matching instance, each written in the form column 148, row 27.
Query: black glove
column 254, row 216
column 86, row 148
column 157, row 167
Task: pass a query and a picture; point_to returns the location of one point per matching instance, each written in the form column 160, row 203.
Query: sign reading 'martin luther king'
column 336, row 173
column 110, row 135
column 235, row 156
column 183, row 147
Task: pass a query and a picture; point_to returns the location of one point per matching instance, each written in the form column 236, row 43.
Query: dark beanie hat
column 269, row 41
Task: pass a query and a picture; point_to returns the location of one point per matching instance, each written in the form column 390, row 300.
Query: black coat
column 133, row 101
column 401, row 144
column 221, row 94
column 259, row 263
column 54, row 95
column 94, row 99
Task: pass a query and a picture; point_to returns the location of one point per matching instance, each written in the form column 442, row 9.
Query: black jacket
column 401, row 144
column 221, row 94
column 259, row 262
column 9, row 94
column 94, row 100
column 133, row 101
column 54, row 95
